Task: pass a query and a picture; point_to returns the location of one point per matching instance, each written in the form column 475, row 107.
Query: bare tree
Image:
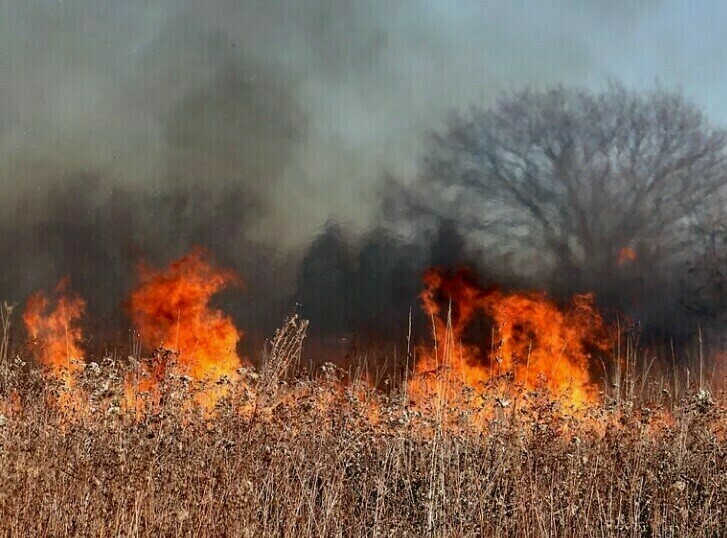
column 583, row 185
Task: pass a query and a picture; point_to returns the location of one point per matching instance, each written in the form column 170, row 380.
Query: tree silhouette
column 592, row 190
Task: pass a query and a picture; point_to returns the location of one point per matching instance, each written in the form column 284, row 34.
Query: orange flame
column 56, row 335
column 170, row 308
column 626, row 255
column 532, row 339
column 55, row 331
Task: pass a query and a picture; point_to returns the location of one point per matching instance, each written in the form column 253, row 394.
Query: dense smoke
column 133, row 131
column 366, row 288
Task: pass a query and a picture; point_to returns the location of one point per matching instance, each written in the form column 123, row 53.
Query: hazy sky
column 306, row 103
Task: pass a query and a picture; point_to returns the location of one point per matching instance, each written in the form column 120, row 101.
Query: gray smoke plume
column 135, row 129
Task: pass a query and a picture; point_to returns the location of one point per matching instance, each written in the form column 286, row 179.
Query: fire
column 532, row 339
column 492, row 352
column 170, row 309
column 626, row 255
column 55, row 331
column 53, row 326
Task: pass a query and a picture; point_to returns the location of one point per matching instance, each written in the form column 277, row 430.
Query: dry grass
column 313, row 456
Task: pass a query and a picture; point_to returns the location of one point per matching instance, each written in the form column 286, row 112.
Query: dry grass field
column 563, row 426
column 324, row 454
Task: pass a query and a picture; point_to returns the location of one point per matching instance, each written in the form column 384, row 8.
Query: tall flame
column 170, row 309
column 531, row 338
column 54, row 328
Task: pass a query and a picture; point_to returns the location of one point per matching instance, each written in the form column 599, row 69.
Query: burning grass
column 328, row 457
column 170, row 308
column 516, row 437
column 532, row 339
